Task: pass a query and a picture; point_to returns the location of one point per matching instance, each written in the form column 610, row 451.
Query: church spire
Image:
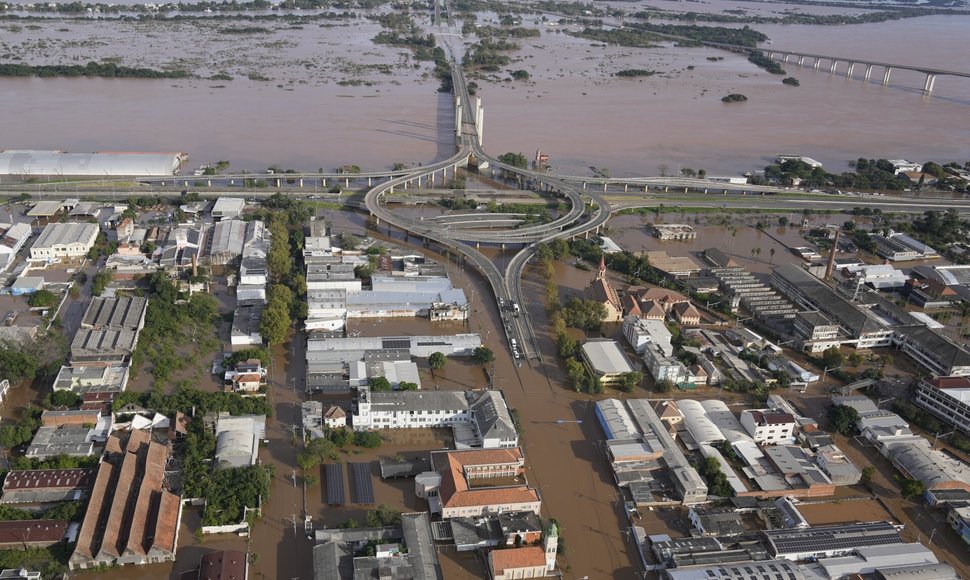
column 601, row 275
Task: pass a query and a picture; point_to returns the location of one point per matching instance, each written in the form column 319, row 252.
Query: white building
column 477, row 418
column 641, row 332
column 228, row 208
column 237, row 439
column 769, row 427
column 948, row 398
column 663, row 367
column 64, row 240
column 14, row 238
column 904, row 166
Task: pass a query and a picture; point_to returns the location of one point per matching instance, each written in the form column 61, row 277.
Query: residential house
column 686, row 314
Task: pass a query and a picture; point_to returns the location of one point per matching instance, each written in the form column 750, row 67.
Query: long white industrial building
column 23, row 162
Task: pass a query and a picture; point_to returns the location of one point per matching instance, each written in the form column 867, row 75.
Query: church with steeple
column 600, row 290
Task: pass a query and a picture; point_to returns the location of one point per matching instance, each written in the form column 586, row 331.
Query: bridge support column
column 347, row 183
column 378, row 220
column 801, row 60
column 503, row 246
column 370, row 182
column 323, row 182
column 818, row 62
column 626, row 187
column 279, row 182
column 604, row 186
column 786, row 58
column 301, row 182
column 208, row 183
column 646, row 188
column 833, row 67
column 771, row 55
column 868, row 73
column 848, row 73
column 885, row 75
column 186, row 183
column 586, row 235
column 584, row 185
column 705, row 190
column 666, row 189
column 930, row 81
column 231, row 182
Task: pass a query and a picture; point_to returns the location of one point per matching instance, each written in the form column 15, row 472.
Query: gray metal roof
column 826, row 538
column 58, row 234
column 115, row 313
column 491, row 415
column 36, row 162
column 606, row 356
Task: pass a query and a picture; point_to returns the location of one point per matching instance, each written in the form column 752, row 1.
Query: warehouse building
column 605, row 360
column 33, row 163
column 64, row 240
column 131, row 518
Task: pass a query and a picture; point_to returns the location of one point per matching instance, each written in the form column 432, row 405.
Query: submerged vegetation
column 92, row 69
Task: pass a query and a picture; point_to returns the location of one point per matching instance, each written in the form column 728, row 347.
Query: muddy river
column 332, row 97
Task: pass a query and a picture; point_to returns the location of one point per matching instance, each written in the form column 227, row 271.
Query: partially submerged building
column 131, row 518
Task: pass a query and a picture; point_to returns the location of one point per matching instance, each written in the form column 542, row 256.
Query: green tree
column 566, row 345
column 483, row 355
column 379, row 384
column 42, row 299
column 514, row 159
column 437, row 361
column 842, row 419
column 384, row 515
column 629, row 381
column 274, row 323
column 368, row 439
column 407, row 386
column 664, row 386
column 867, row 473
column 62, row 398
column 832, row 357
column 910, row 488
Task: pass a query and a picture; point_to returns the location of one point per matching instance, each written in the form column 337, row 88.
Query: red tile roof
column 517, row 558
column 663, row 296
column 81, row 478
column 601, row 291
column 223, row 565
column 99, row 495
column 32, row 532
column 454, row 486
column 129, row 512
column 167, row 522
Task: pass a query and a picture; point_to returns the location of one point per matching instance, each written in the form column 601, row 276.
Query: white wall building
column 641, row 332
column 769, row 427
column 14, row 238
column 64, row 240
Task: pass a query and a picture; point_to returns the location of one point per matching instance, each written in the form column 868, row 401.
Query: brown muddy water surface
column 572, row 107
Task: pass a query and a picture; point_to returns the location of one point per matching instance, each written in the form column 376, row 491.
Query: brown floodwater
column 572, row 107
column 574, row 110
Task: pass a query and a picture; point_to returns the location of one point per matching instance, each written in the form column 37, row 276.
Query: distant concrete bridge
column 835, row 62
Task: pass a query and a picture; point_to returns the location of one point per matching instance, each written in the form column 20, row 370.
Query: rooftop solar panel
column 335, row 483
column 363, row 484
